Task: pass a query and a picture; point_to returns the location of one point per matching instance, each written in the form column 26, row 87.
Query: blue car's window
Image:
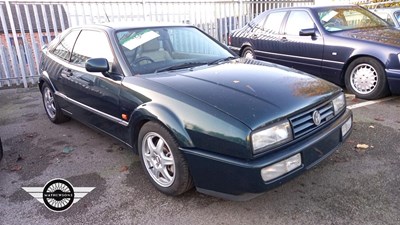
column 397, row 16
column 151, row 50
column 385, row 16
column 258, row 21
column 273, row 23
column 342, row 18
column 298, row 20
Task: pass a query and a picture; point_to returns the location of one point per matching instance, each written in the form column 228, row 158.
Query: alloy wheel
column 49, row 102
column 158, row 159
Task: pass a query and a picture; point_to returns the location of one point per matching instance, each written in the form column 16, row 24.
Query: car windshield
column 348, row 18
column 152, row 50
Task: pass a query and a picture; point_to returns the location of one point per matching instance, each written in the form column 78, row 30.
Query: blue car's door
column 302, row 52
column 267, row 39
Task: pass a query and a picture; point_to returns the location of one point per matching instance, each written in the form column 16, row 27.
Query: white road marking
column 362, row 104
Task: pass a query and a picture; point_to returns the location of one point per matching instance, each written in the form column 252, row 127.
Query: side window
column 297, row 21
column 273, row 23
column 64, row 48
column 259, row 21
column 91, row 44
column 385, row 16
column 397, row 16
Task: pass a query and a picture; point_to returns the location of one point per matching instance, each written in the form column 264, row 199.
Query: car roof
column 316, row 7
column 130, row 25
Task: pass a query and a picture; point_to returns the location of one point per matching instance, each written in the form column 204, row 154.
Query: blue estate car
column 196, row 114
column 347, row 45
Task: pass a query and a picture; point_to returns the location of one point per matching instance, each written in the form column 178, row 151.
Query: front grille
column 303, row 123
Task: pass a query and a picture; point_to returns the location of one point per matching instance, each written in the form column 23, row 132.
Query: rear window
column 64, row 48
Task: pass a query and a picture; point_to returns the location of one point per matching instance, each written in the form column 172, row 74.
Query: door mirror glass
column 97, row 65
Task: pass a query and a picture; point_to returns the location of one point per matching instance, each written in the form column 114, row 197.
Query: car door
column 95, row 95
column 302, row 52
column 59, row 56
column 267, row 38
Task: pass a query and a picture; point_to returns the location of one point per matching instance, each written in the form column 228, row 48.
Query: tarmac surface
column 353, row 186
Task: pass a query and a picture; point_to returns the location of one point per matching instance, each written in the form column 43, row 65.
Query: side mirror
column 97, row 65
column 307, row 32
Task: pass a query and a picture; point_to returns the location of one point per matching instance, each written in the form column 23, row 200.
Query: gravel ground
column 353, row 186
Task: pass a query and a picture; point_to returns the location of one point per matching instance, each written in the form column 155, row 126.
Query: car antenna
column 108, row 19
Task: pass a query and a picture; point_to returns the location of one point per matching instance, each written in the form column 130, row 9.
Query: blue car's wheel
column 162, row 160
column 248, row 53
column 366, row 78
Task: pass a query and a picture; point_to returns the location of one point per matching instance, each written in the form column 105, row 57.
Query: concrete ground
column 353, row 186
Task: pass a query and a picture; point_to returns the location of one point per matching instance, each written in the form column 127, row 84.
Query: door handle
column 255, row 35
column 284, row 39
column 66, row 72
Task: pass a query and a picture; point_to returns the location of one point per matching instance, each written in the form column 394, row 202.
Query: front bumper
column 238, row 179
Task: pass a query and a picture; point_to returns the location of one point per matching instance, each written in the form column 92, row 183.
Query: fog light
column 280, row 168
column 346, row 127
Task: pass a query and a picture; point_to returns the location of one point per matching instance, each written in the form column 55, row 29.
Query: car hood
column 251, row 91
column 384, row 35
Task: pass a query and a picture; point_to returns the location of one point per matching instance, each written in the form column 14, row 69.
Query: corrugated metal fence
column 27, row 25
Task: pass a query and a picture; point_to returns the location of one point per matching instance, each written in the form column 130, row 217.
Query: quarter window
column 91, row 44
column 297, row 21
column 273, row 23
column 64, row 48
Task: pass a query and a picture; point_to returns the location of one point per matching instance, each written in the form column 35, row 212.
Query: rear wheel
column 162, row 160
column 366, row 78
column 52, row 108
column 248, row 53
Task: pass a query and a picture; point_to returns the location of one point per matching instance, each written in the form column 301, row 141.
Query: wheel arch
column 45, row 79
column 245, row 45
column 354, row 57
column 162, row 115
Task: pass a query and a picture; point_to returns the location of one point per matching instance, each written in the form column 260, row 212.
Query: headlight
column 339, row 103
column 272, row 136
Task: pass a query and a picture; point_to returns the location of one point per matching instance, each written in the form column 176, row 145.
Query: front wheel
column 366, row 78
column 162, row 160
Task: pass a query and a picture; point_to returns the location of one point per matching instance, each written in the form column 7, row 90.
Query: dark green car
column 195, row 113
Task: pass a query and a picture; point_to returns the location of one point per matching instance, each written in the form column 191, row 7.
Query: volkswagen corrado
column 347, row 45
column 196, row 114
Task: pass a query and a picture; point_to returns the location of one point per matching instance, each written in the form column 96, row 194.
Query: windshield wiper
column 180, row 66
column 222, row 60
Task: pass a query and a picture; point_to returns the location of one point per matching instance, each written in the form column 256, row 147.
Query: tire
column 248, row 53
column 365, row 77
column 167, row 169
column 51, row 107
